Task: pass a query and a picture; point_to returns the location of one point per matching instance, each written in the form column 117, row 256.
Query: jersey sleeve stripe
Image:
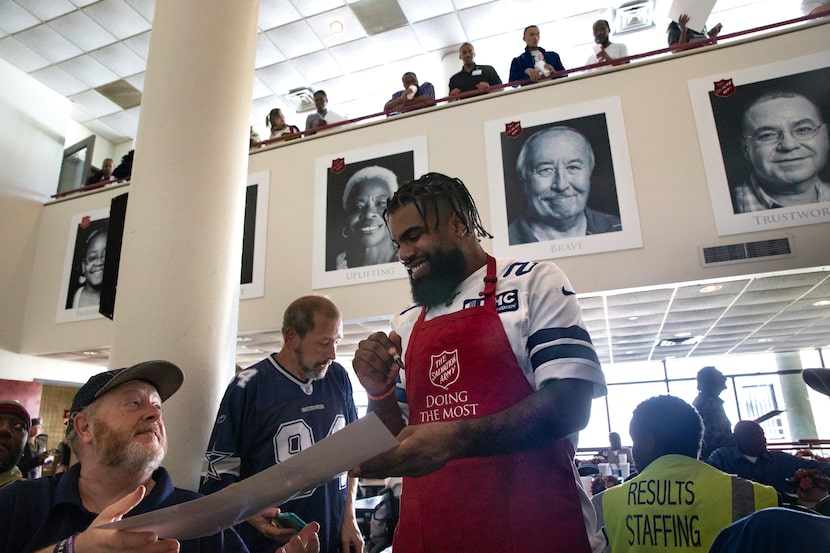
column 552, row 334
column 564, row 351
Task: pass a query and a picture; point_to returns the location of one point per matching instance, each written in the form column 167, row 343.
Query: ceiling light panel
column 120, row 59
column 439, row 33
column 274, row 13
column 266, row 52
column 48, row 43
column 352, row 29
column 118, row 17
column 418, row 10
column 88, row 70
column 13, row 18
column 20, row 55
column 379, row 16
column 295, row 39
column 60, row 81
column 308, row 8
column 46, row 10
column 82, row 31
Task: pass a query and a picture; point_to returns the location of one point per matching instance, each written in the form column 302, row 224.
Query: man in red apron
column 499, row 374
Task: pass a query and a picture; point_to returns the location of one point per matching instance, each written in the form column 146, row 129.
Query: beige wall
column 671, row 191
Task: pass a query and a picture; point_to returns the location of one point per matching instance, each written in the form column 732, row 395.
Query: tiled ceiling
column 77, row 46
column 768, row 313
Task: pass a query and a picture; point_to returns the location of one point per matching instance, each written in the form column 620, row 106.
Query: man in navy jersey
column 278, row 407
column 496, row 373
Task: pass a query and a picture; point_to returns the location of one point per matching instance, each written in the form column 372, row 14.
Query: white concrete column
column 178, row 287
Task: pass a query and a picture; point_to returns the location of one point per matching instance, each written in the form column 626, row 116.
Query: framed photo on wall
column 351, row 241
column 763, row 134
column 252, row 282
column 83, row 267
column 561, row 183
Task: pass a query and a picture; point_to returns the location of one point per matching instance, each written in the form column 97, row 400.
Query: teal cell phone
column 290, row 520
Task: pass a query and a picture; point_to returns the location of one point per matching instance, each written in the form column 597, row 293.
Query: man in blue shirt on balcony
column 536, row 63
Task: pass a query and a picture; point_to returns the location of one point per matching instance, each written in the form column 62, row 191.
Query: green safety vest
column 678, row 504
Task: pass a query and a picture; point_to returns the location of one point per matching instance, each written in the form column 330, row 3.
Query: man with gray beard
column 116, row 430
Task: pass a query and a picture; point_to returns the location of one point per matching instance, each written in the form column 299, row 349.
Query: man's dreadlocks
column 425, row 192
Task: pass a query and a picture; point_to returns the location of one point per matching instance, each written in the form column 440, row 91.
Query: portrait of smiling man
column 785, row 141
column 554, row 168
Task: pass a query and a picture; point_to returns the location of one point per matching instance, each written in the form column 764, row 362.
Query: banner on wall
column 252, row 281
column 83, row 267
column 763, row 134
column 560, row 182
column 351, row 241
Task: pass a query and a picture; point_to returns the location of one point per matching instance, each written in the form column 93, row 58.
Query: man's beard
column 446, row 272
column 118, row 449
column 310, row 373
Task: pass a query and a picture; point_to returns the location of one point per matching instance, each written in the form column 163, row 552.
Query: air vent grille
column 746, row 251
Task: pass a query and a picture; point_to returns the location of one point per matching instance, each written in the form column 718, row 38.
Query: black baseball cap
column 15, row 409
column 163, row 375
column 817, row 379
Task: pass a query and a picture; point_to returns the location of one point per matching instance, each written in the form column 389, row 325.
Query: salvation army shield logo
column 513, row 129
column 85, row 221
column 338, row 165
column 724, row 88
column 444, row 368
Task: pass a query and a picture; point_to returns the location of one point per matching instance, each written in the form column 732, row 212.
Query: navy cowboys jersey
column 266, row 416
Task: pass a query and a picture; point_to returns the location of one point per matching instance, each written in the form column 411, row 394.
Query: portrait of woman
column 364, row 200
column 92, row 270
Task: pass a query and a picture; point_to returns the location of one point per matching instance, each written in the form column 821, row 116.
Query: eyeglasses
column 774, row 136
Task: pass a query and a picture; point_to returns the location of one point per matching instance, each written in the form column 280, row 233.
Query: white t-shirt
column 615, row 50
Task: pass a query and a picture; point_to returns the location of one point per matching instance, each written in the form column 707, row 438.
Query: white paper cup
column 623, row 458
column 625, row 470
column 605, row 469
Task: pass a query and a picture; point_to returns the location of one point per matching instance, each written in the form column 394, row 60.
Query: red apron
column 461, row 366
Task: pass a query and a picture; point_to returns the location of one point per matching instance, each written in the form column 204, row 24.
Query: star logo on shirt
column 214, row 458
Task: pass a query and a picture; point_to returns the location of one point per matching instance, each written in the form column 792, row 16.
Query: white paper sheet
column 697, row 10
column 308, row 469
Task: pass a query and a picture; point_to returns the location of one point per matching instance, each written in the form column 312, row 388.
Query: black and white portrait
column 562, row 183
column 356, row 185
column 83, row 273
column 766, row 144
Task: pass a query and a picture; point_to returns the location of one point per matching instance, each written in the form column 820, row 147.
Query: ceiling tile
column 118, row 17
column 82, row 3
column 59, row 80
column 318, row 66
column 280, row 77
column 295, row 39
column 46, row 10
column 356, row 55
column 106, row 131
column 121, row 122
column 442, row 32
column 461, row 4
column 418, row 10
column 396, row 44
column 20, row 55
column 260, row 90
column 274, row 13
column 120, row 59
column 312, row 7
column 13, row 18
column 145, row 7
column 351, row 30
column 266, row 52
column 478, row 22
column 80, row 115
column 48, row 43
column 82, row 31
column 140, row 44
column 88, row 70
column 95, row 104
column 136, row 80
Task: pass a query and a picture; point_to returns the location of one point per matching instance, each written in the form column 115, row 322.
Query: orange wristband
column 384, row 395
